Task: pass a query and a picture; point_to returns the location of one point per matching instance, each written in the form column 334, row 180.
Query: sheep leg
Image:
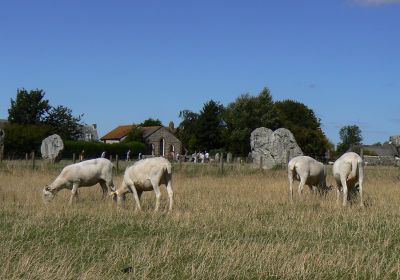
column 74, row 192
column 360, row 185
column 104, row 188
column 158, row 194
column 170, row 195
column 136, row 196
column 301, row 186
column 290, row 185
column 345, row 189
column 338, row 188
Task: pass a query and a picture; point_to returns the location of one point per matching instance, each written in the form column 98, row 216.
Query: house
column 89, row 133
column 159, row 140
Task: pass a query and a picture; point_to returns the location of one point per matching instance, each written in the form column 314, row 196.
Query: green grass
column 236, row 226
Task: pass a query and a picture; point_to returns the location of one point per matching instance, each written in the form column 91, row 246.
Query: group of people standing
column 201, row 157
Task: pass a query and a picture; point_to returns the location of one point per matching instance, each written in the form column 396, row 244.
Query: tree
column 23, row 139
column 350, row 136
column 187, row 129
column 210, row 126
column 135, row 135
column 62, row 122
column 244, row 115
column 28, row 107
column 304, row 125
column 151, row 122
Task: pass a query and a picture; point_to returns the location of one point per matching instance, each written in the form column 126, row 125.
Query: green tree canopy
column 187, row 129
column 244, row 115
column 23, row 139
column 135, row 135
column 304, row 125
column 151, row 122
column 28, row 107
column 210, row 126
column 63, row 123
column 350, row 136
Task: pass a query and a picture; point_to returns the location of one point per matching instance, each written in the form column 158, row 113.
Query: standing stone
column 228, row 157
column 217, row 157
column 273, row 146
column 52, row 147
column 2, row 136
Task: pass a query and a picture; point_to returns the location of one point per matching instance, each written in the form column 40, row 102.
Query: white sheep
column 146, row 175
column 82, row 174
column 348, row 171
column 309, row 172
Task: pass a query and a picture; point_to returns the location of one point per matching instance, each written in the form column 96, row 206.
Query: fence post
column 116, row 158
column 26, row 157
column 221, row 163
column 73, row 158
column 110, row 157
column 33, row 159
column 362, row 153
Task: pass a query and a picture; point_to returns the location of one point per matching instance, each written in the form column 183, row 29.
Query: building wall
column 395, row 140
column 169, row 141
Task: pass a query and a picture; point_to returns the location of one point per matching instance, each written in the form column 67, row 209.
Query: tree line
column 215, row 128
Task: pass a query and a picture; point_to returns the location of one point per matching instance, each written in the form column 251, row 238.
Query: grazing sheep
column 146, row 175
column 348, row 171
column 309, row 172
column 82, row 174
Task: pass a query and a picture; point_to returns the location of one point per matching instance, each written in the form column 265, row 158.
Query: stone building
column 89, row 133
column 160, row 141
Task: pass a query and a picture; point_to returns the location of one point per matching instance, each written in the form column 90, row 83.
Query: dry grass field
column 233, row 226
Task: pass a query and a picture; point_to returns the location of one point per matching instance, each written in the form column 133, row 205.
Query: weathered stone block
column 273, row 148
column 52, row 147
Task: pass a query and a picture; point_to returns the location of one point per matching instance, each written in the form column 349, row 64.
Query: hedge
column 95, row 149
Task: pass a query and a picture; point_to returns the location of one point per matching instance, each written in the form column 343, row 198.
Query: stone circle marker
column 52, row 147
column 272, row 148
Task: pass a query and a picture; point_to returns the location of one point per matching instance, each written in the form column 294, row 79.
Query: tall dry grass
column 236, row 226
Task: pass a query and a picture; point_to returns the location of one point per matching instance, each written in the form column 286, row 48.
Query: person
column 103, row 154
column 128, row 155
column 201, row 157
column 82, row 155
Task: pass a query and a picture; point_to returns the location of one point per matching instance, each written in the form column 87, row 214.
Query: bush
column 94, row 149
column 21, row 139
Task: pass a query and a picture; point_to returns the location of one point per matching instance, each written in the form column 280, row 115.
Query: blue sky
column 120, row 62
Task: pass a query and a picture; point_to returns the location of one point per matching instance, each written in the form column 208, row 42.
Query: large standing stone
column 273, row 146
column 217, row 157
column 52, row 147
column 2, row 136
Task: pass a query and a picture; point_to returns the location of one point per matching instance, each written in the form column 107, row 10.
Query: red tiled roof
column 121, row 131
column 118, row 133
